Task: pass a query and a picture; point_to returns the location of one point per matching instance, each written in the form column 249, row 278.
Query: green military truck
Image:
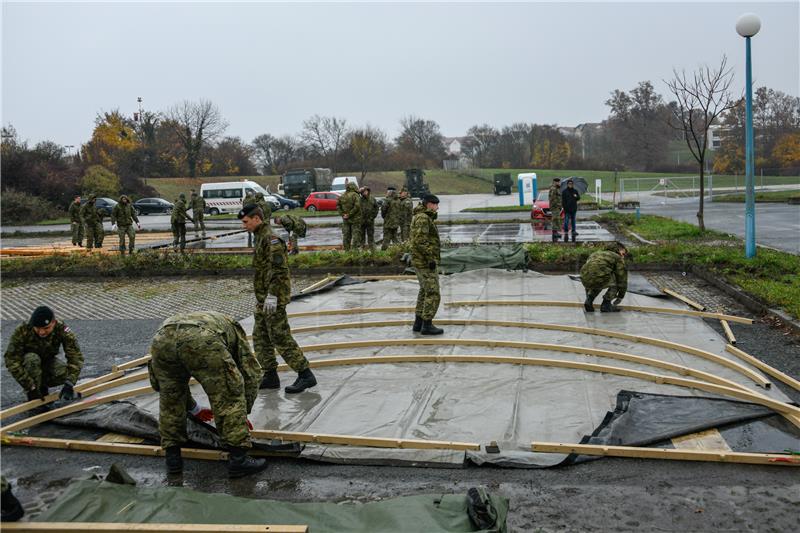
column 415, row 184
column 502, row 183
column 298, row 183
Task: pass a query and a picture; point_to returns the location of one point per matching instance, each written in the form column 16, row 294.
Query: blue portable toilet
column 526, row 185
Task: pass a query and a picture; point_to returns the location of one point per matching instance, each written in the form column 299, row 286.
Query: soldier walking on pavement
column 178, row 219
column 91, row 219
column 273, row 290
column 75, row 222
column 349, row 207
column 391, row 213
column 555, row 207
column 198, row 205
column 425, row 258
column 605, row 269
column 31, row 356
column 295, row 227
column 407, row 213
column 123, row 216
column 213, row 349
column 369, row 210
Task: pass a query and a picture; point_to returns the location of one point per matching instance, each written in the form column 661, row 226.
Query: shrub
column 22, row 208
column 100, row 181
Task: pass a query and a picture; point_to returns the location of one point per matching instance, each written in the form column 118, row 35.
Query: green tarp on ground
column 464, row 258
column 100, row 501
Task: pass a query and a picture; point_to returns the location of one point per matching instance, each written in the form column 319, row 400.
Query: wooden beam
column 724, row 361
column 639, row 308
column 110, row 447
column 772, row 459
column 372, row 442
column 397, row 277
column 758, row 363
column 728, row 333
column 318, row 284
column 132, row 363
column 353, row 311
column 684, row 299
column 117, row 527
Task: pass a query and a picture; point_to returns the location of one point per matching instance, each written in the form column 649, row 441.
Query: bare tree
column 327, row 136
column 274, row 154
column 700, row 99
column 421, row 137
column 195, row 124
column 366, row 144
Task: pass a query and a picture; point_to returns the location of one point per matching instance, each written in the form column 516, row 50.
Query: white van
column 226, row 197
column 340, row 183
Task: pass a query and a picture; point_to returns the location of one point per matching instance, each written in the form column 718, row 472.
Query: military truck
column 502, row 183
column 298, row 183
column 414, row 183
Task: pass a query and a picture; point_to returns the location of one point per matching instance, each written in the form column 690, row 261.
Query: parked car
column 285, row 203
column 103, row 204
column 227, row 197
column 321, row 201
column 541, row 207
column 152, row 206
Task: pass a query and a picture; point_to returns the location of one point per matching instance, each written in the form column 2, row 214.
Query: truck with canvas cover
column 298, row 183
column 415, row 184
column 502, row 183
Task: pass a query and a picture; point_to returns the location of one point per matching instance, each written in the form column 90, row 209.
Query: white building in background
column 452, row 145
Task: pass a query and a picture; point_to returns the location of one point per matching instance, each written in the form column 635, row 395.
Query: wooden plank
column 684, row 299
column 372, row 442
column 773, row 459
column 728, row 363
column 117, row 527
column 761, row 365
column 396, row 277
column 110, row 447
column 318, row 284
column 710, row 439
column 119, row 437
column 728, row 333
column 132, row 363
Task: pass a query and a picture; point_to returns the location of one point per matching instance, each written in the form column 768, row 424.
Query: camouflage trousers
column 94, row 235
column 612, row 292
column 122, row 231
column 389, row 237
column 293, row 242
column 405, row 232
column 198, row 220
column 272, row 332
column 180, row 352
column 556, row 221
column 369, row 235
column 77, row 233
column 429, row 296
column 179, row 234
column 51, row 374
column 352, row 235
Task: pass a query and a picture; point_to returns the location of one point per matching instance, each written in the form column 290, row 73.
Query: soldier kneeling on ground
column 213, row 349
column 31, row 356
column 606, row 269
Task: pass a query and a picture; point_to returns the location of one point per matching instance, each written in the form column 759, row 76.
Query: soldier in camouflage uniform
column 369, row 211
column 349, row 207
column 555, row 207
column 75, row 222
column 249, row 199
column 91, row 218
column 178, row 220
column 214, row 350
column 123, row 216
column 31, row 356
column 391, row 212
column 425, row 257
column 265, row 206
column 295, row 227
column 198, row 205
column 605, row 269
column 273, row 290
column 407, row 213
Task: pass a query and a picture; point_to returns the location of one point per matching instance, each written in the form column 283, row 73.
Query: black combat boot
column 12, row 510
column 608, row 307
column 429, row 329
column 417, row 324
column 588, row 304
column 573, row 236
column 270, row 380
column 305, row 380
column 240, row 464
column 566, row 236
column 174, row 460
column 556, row 236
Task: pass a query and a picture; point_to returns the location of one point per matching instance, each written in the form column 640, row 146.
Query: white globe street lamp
column 747, row 26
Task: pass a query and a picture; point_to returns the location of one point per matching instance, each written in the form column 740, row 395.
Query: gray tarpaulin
column 473, row 402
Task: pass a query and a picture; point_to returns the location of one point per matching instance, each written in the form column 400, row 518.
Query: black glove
column 67, row 392
column 432, row 265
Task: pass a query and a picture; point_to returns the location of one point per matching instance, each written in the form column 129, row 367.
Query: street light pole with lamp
column 747, row 26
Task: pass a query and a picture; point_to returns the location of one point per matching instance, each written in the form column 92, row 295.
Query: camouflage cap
column 403, row 189
column 42, row 316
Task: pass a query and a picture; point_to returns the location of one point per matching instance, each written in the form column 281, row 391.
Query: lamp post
column 747, row 26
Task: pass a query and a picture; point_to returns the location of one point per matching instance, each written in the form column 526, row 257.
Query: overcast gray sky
column 270, row 66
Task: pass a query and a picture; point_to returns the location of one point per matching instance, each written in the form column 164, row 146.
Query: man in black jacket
column 570, row 198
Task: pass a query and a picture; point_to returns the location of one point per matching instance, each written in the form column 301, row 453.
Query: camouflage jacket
column 602, row 268
column 74, row 212
column 90, row 214
column 555, row 198
column 292, row 223
column 179, row 214
column 350, row 204
column 369, row 209
column 234, row 337
column 265, row 206
column 272, row 266
column 391, row 211
column 425, row 244
column 249, row 199
column 123, row 215
column 406, row 210
column 25, row 340
column 198, row 204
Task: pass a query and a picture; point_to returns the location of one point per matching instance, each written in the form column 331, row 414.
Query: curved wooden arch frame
column 723, row 361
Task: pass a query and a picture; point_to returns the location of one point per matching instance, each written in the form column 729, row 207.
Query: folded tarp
column 465, row 258
column 100, row 501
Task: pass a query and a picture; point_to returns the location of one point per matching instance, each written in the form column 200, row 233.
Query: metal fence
column 632, row 189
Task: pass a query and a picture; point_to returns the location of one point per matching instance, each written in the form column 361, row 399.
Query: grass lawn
column 761, row 197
